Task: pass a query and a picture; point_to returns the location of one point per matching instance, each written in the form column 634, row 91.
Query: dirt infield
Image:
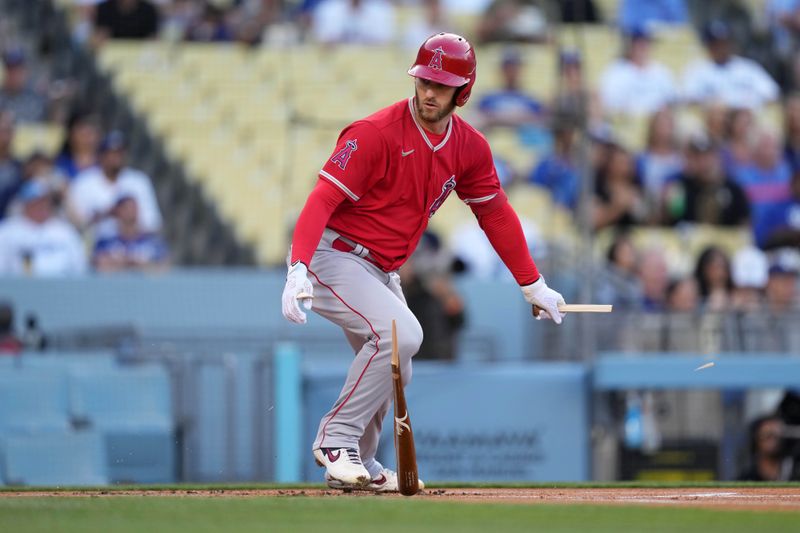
column 767, row 498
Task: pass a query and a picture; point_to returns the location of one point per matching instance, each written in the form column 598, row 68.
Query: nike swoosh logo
column 403, row 153
column 333, row 457
column 380, row 481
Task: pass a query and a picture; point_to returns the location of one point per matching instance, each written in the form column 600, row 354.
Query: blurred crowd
column 84, row 209
column 730, row 171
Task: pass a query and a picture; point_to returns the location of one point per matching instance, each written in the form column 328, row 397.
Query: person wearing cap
column 10, row 166
column 726, row 77
column 634, row 84
column 128, row 247
column 35, row 242
column 574, row 98
column 702, row 192
column 16, row 95
column 781, row 287
column 93, row 192
column 509, row 106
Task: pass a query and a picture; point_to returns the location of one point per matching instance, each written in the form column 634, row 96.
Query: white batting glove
column 540, row 295
column 296, row 283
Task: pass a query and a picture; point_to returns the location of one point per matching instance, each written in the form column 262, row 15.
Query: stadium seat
column 29, row 138
column 54, row 458
column 33, row 399
column 132, row 408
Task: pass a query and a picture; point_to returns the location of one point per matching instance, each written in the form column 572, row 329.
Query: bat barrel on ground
column 578, row 308
column 407, row 477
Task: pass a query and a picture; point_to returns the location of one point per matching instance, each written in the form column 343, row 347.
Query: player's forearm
column 504, row 231
column 321, row 204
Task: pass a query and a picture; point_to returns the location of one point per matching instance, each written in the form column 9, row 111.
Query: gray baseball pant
column 362, row 299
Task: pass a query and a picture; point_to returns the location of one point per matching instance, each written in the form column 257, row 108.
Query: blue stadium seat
column 132, row 407
column 33, row 400
column 54, row 458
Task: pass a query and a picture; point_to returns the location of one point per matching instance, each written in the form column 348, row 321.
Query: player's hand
column 540, row 295
column 296, row 283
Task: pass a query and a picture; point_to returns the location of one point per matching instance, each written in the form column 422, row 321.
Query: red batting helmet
column 448, row 59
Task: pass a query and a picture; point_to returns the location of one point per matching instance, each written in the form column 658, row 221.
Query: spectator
column 634, row 84
column 16, row 94
column 9, row 342
column 783, row 18
column 573, row 99
column 39, row 166
column 654, row 278
column 766, row 181
column 713, row 276
column 513, row 21
column 733, row 80
column 10, row 167
column 36, row 242
column 125, row 19
column 128, row 247
column 433, row 20
column 682, row 296
column 661, row 158
column 702, row 192
column 210, row 26
column 618, row 199
column 780, row 226
column 650, row 13
column 509, row 106
column 475, row 257
column 739, row 132
column 715, row 119
column 178, row 16
column 558, row 172
column 768, row 458
column 781, row 289
column 79, row 151
column 255, row 22
column 354, row 21
column 92, row 193
column 749, row 271
column 579, row 12
column 433, row 299
column 791, row 131
column 620, row 286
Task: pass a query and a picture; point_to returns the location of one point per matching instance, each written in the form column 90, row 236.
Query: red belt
column 344, row 244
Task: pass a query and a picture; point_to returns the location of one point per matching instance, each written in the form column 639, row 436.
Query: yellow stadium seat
column 29, row 138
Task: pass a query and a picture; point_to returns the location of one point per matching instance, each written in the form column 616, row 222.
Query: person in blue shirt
column 558, row 172
column 128, row 247
column 780, row 225
column 766, row 180
column 509, row 106
column 638, row 13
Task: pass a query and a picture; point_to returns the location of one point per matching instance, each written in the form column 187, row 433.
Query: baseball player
column 386, row 178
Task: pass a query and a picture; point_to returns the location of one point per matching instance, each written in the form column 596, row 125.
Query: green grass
column 137, row 514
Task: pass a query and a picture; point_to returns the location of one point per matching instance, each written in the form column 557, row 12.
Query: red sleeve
column 321, row 203
column 479, row 187
column 359, row 160
column 504, row 231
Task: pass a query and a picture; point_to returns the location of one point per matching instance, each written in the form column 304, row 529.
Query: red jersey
column 395, row 179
